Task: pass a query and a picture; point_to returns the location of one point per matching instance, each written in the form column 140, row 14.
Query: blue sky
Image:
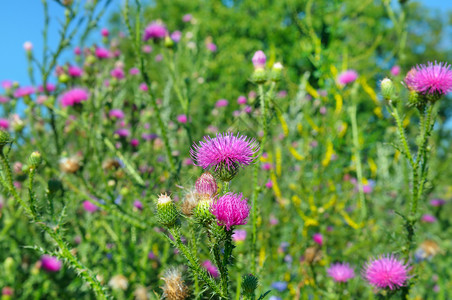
column 22, row 20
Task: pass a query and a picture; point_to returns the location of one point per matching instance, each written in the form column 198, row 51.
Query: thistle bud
column 225, row 173
column 63, row 78
column 4, row 139
column 259, row 59
column 249, row 284
column 206, row 185
column 169, row 43
column 35, row 159
column 276, row 72
column 416, row 100
column 387, row 89
column 259, row 76
column 202, row 213
column 167, row 212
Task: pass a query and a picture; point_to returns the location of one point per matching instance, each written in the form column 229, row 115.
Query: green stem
column 359, row 171
column 224, row 278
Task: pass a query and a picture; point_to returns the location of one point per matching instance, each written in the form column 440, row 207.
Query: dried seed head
column 174, row 288
column 189, row 203
column 119, row 282
column 69, row 165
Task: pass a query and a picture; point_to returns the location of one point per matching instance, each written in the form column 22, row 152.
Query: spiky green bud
column 35, row 159
column 167, row 213
column 202, row 213
column 416, row 100
column 225, row 173
column 276, row 72
column 259, row 76
column 5, row 138
column 249, row 284
column 387, row 89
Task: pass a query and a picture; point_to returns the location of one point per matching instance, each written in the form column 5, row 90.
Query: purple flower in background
column 50, row 87
column 210, row 268
column 117, row 73
column 176, row 36
column 155, row 30
column 230, row 210
column 259, row 59
column 7, row 84
column 134, row 71
column 50, row 263
column 134, row 142
column 182, row 119
column 74, row 71
column 437, row 202
column 280, row 286
column 104, row 32
column 211, row 47
column 341, row 272
column 102, row 53
column 433, row 78
column 3, row 99
column 187, row 18
column 138, row 205
column 74, row 96
column 144, row 87
column 147, row 49
column 123, row 132
column 395, row 70
column 158, row 57
column 269, row 184
column 239, row 235
column 428, row 218
column 241, row 100
column 4, row 123
column 347, row 77
column 386, row 272
column 89, row 206
column 318, row 238
column 77, row 51
column 224, row 151
column 24, row 91
column 116, row 113
column 222, row 103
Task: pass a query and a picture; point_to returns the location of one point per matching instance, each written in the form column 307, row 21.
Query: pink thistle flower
column 50, row 87
column 3, row 99
column 138, row 205
column 134, row 71
column 89, row 206
column 144, row 87
column 74, row 71
column 248, row 109
column 158, row 57
column 116, row 113
column 386, row 272
column 341, row 272
column 211, row 47
column 176, row 36
column 77, row 51
column 134, row 143
column 428, row 218
column 318, row 238
column 224, row 151
column 102, row 53
column 182, row 119
column 431, row 79
column 210, row 268
column 187, row 18
column 241, row 100
column 259, row 59
column 230, row 210
column 4, row 123
column 155, row 30
column 206, row 185
column 7, row 84
column 73, row 97
column 24, row 91
column 147, row 49
column 222, row 103
column 117, row 73
column 437, row 202
column 347, row 77
column 395, row 70
column 269, row 184
column 104, row 32
column 123, row 132
column 50, row 263
column 239, row 235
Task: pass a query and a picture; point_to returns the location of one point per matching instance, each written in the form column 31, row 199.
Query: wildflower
column 4, row 99
column 437, row 202
column 116, row 113
column 222, row 103
column 144, row 87
column 206, row 185
column 428, row 218
column 230, row 210
column 387, row 89
column 187, row 18
column 239, row 235
column 395, row 70
column 119, row 282
column 224, row 154
column 134, row 71
column 176, row 36
column 89, row 206
column 73, row 97
column 280, row 286
column 4, row 124
column 431, row 79
column 347, row 77
column 75, row 71
column 210, row 268
column 386, row 272
column 182, row 119
column 318, row 238
column 102, row 53
column 24, row 91
column 241, row 100
column 28, row 46
column 147, row 49
column 259, row 59
column 249, row 285
column 104, row 32
column 155, row 30
column 158, row 57
column 50, row 263
column 269, row 184
column 138, row 205
column 123, row 132
column 77, row 51
column 117, row 73
column 341, row 272
column 211, row 47
column 174, row 288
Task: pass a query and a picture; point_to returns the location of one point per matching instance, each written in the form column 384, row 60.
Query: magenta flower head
column 116, row 113
column 104, row 32
column 222, row 103
column 428, row 218
column 259, row 59
column 24, row 91
column 74, row 71
column 211, row 47
column 102, row 53
column 4, row 123
column 224, row 153
column 210, row 268
column 182, row 119
column 347, row 77
column 50, row 263
column 239, row 235
column 341, row 272
column 73, row 97
column 395, row 70
column 134, row 71
column 206, row 185
column 89, row 206
column 230, row 210
column 437, row 202
column 433, row 79
column 117, row 73
column 187, row 18
column 318, row 238
column 155, row 30
column 4, row 99
column 386, row 272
